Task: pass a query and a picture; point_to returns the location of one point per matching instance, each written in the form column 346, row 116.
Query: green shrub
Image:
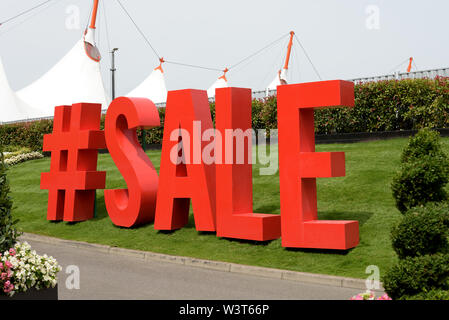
column 435, row 294
column 379, row 106
column 413, row 275
column 420, row 181
column 425, row 142
column 424, row 172
column 8, row 232
column 423, row 230
column 27, row 134
column 390, row 105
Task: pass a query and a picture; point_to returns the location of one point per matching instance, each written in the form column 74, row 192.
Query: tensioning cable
column 139, row 30
column 307, row 56
column 258, row 51
column 24, row 12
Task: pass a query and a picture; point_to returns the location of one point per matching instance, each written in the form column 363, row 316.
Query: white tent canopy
column 153, row 87
column 12, row 108
column 75, row 78
column 221, row 82
column 281, row 77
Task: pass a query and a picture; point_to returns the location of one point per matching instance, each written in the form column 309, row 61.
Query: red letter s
column 135, row 205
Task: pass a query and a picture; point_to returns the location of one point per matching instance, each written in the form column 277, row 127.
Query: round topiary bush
column 424, row 172
column 423, row 230
column 414, row 275
column 425, row 142
column 8, row 232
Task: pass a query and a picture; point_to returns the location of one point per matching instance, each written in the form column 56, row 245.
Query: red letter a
column 187, row 116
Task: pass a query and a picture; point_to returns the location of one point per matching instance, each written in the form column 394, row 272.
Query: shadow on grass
column 189, row 225
column 102, row 214
column 361, row 216
column 250, row 242
column 323, row 251
column 166, row 231
column 101, row 209
column 269, row 209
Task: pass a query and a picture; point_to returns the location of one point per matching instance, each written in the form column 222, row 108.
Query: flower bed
column 22, row 269
column 368, row 295
column 10, row 161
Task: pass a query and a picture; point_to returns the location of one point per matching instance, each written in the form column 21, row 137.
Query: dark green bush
column 421, row 238
column 390, row 105
column 379, row 106
column 414, row 275
column 424, row 172
column 8, row 232
column 419, row 182
column 426, row 142
column 435, row 294
column 423, row 230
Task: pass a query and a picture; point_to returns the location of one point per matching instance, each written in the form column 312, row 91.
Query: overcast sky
column 344, row 38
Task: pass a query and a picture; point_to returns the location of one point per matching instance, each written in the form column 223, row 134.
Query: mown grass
column 363, row 194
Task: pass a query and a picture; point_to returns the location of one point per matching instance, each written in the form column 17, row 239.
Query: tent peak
column 161, row 60
column 224, row 75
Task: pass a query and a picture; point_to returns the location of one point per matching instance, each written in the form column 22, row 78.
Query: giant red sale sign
column 209, row 167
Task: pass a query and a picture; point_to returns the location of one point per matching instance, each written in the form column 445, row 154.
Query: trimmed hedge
column 424, row 172
column 423, row 230
column 29, row 134
column 8, row 231
column 436, row 294
column 391, row 105
column 414, row 275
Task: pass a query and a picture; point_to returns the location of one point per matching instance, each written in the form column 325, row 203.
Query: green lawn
column 363, row 195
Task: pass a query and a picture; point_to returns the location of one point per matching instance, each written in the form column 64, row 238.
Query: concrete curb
column 322, row 279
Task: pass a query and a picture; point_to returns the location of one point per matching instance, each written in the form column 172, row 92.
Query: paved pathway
column 106, row 276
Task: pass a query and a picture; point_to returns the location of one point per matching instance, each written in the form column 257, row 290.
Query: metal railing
column 431, row 73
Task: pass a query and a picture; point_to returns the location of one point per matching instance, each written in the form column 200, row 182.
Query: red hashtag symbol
column 73, row 176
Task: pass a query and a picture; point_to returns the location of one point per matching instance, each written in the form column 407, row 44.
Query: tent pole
column 289, row 50
column 92, row 26
column 113, row 69
column 94, row 15
column 409, row 68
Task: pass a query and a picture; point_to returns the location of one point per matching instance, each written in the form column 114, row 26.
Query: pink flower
column 12, row 252
column 10, row 274
column 8, row 264
column 1, row 265
column 3, row 276
column 9, row 288
column 7, row 283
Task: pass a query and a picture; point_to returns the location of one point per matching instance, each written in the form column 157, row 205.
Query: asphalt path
column 106, row 276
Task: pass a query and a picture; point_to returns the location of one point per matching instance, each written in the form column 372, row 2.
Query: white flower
column 30, row 269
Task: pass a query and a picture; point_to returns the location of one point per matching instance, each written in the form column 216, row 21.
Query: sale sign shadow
column 361, row 216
